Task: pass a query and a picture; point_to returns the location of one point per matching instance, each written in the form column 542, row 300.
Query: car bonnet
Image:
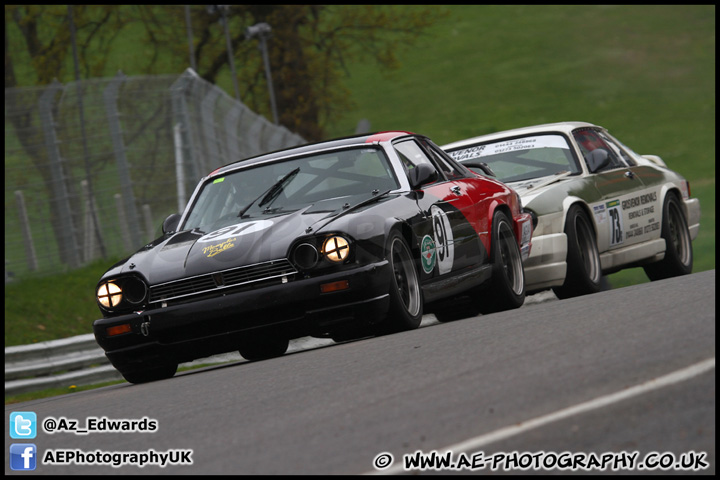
column 248, row 241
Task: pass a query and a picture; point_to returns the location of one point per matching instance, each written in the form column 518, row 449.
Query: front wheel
column 584, row 274
column 507, row 288
column 406, row 302
column 678, row 244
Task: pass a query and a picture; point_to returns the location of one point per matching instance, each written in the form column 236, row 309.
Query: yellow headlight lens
column 336, row 249
column 109, row 295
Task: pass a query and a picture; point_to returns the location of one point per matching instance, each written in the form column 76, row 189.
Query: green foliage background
column 647, row 73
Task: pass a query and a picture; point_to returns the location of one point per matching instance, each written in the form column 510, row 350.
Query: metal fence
column 93, row 167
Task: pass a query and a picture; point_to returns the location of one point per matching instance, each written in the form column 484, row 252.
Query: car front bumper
column 210, row 326
column 692, row 213
column 546, row 267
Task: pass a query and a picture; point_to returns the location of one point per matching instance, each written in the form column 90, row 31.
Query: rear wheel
column 507, row 288
column 678, row 244
column 261, row 346
column 584, row 275
column 406, row 302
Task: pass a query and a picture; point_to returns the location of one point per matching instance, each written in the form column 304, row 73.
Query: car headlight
column 321, row 251
column 109, row 295
column 306, row 256
column 336, row 248
column 118, row 293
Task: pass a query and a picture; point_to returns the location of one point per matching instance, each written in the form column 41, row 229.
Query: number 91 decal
column 444, row 244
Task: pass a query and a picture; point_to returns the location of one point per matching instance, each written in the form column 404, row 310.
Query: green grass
column 54, row 392
column 53, row 306
column 645, row 72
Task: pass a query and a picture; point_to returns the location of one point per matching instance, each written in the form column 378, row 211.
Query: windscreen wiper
column 271, row 193
column 376, row 196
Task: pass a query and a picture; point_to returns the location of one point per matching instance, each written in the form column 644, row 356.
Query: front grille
column 217, row 281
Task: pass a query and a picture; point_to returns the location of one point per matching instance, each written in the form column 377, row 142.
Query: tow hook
column 145, row 328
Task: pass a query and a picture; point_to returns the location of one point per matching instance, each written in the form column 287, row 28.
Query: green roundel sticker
column 427, row 253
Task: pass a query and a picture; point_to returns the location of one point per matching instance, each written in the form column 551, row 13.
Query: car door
column 644, row 211
column 468, row 197
column 628, row 206
column 449, row 241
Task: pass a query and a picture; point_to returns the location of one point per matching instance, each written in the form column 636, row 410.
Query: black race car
column 340, row 239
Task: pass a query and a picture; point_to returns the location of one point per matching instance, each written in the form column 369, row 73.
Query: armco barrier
column 56, row 363
column 80, row 361
column 70, row 361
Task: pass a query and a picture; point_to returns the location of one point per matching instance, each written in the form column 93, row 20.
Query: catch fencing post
column 122, row 223
column 149, row 228
column 110, row 95
column 68, row 235
column 232, row 120
column 90, row 245
column 207, row 108
column 179, row 169
column 181, row 117
column 27, row 235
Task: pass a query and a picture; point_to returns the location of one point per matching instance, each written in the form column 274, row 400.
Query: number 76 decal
column 616, row 225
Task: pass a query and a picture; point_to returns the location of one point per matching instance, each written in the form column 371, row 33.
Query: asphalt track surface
column 622, row 372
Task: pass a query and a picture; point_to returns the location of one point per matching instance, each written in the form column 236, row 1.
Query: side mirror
column 171, row 223
column 597, row 159
column 421, row 175
column 486, row 170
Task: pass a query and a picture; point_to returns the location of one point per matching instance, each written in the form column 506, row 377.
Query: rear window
column 522, row 158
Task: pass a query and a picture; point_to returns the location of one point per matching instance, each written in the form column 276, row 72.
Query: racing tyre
column 406, row 302
column 261, row 346
column 584, row 274
column 507, row 287
column 150, row 374
column 678, row 245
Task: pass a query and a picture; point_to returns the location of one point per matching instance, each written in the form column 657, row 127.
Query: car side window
column 450, row 170
column 411, row 155
column 589, row 140
column 622, row 154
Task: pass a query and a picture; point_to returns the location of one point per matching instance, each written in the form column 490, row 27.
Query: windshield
column 285, row 186
column 522, row 158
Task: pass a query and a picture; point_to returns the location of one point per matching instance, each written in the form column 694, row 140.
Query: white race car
column 599, row 206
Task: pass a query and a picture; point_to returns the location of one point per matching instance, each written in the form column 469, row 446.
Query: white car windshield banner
column 525, row 143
